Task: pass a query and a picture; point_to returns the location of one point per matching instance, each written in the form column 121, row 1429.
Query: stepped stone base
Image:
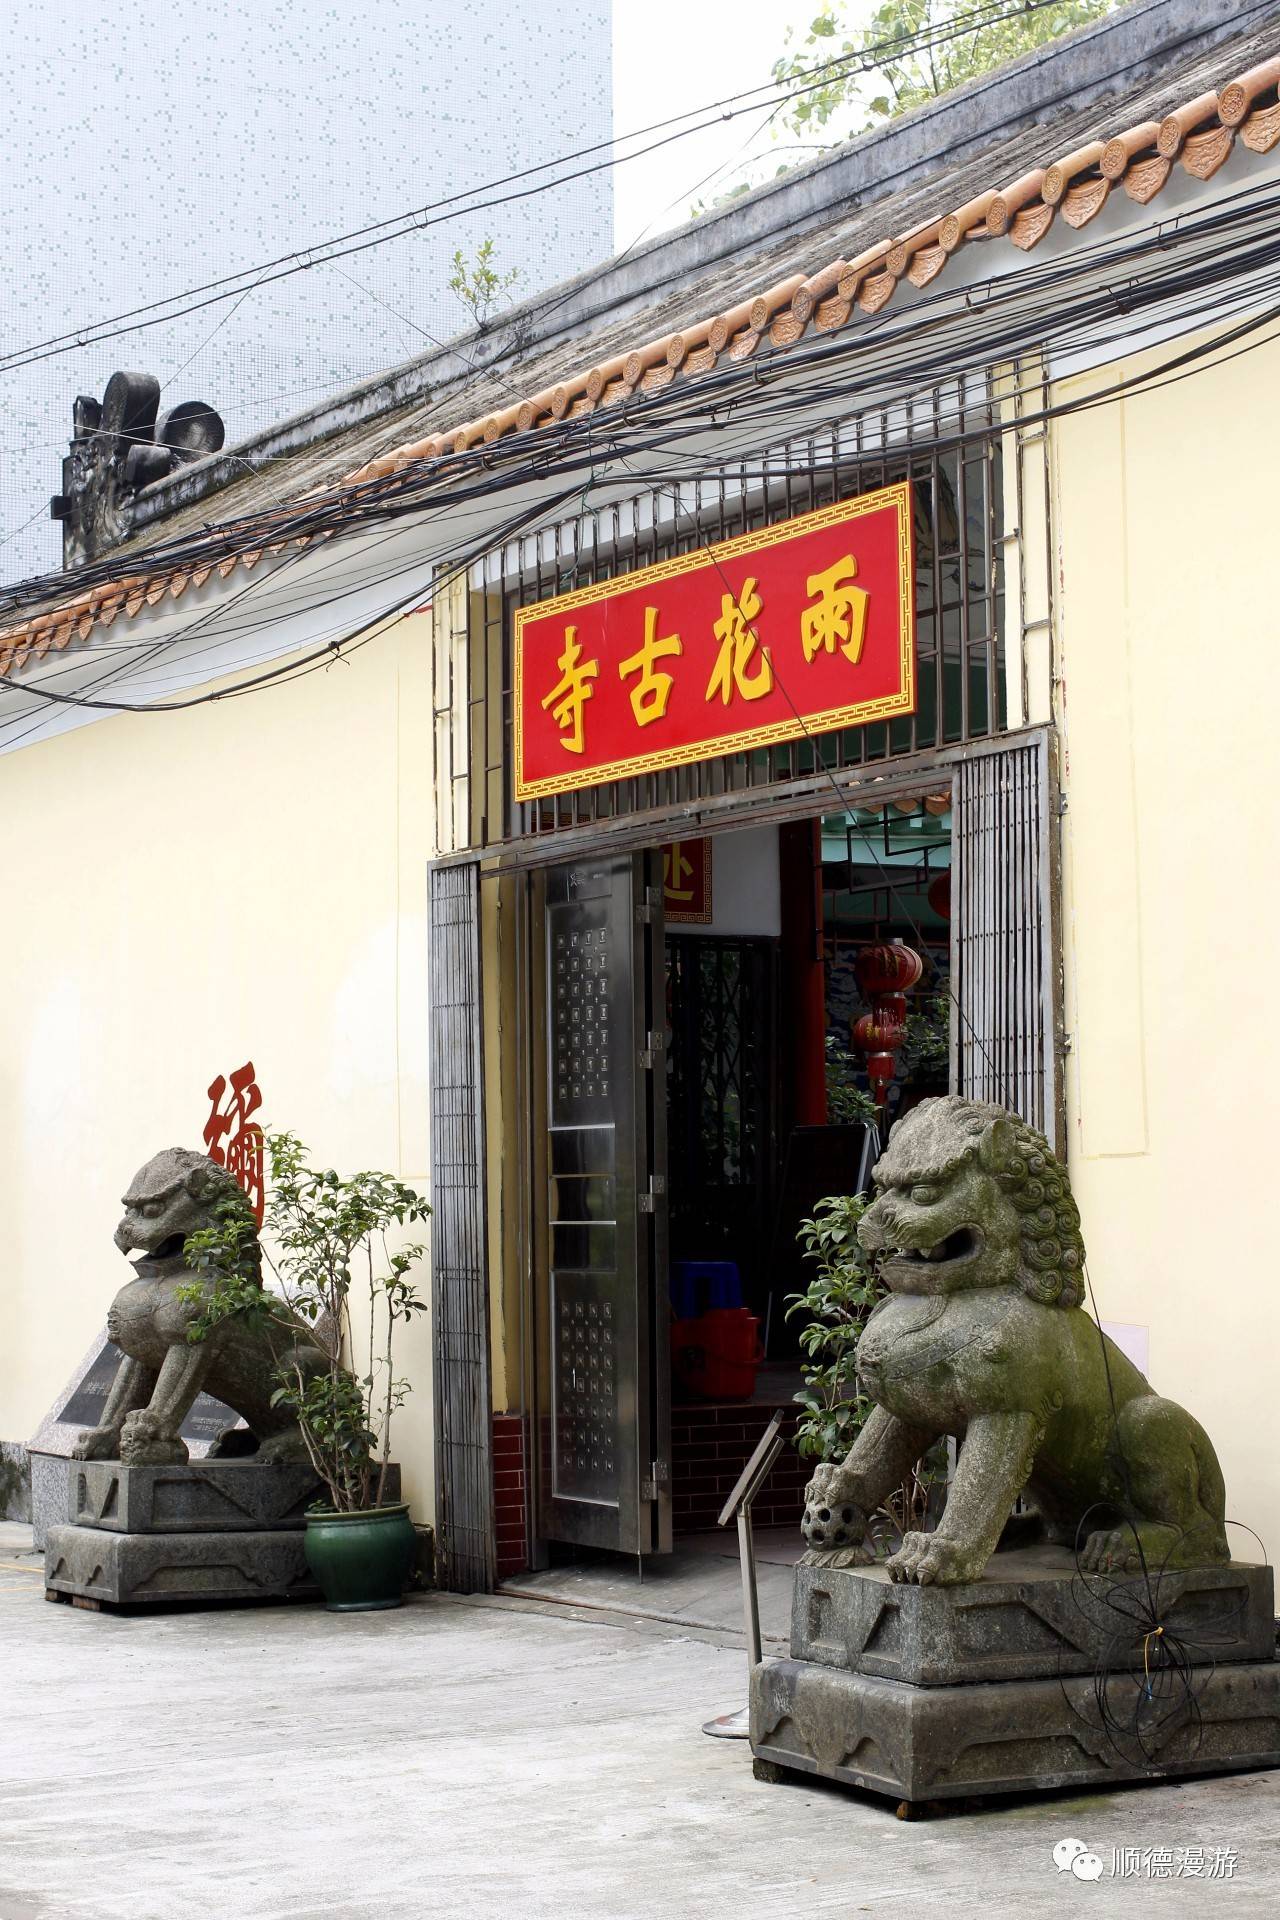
column 202, row 1496
column 1012, row 1736
column 132, row 1569
column 934, row 1693
column 1029, row 1616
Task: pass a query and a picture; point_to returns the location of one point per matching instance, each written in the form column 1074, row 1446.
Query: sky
column 670, row 56
column 257, row 126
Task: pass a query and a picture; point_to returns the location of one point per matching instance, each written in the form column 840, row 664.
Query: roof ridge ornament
column 120, row 445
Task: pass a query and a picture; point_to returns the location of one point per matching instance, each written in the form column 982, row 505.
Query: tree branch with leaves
column 320, row 1232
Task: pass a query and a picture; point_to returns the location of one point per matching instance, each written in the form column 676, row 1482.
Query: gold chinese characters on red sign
column 791, row 630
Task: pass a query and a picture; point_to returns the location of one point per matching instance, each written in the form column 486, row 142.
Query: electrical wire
column 361, row 239
column 413, row 492
column 750, row 397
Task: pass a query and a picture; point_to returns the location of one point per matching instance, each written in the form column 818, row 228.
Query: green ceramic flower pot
column 361, row 1560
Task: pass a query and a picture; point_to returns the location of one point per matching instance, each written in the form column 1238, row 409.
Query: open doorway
column 709, row 1079
column 785, row 1069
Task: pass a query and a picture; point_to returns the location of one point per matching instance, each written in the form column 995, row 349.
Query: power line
column 1243, row 338
column 360, row 239
column 1000, row 317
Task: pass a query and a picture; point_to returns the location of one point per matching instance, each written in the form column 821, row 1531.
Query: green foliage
column 926, row 1051
column 321, row 1233
column 835, row 1307
column 847, row 1102
column 478, row 284
column 850, row 102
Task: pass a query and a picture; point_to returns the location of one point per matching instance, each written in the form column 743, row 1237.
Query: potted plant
column 836, row 1305
column 323, row 1236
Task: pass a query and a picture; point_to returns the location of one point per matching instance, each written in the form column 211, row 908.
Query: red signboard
column 686, row 882
column 792, row 630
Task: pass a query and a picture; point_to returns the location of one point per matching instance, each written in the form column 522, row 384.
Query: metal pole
column 750, row 1595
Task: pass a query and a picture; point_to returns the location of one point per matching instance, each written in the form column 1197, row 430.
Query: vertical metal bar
column 464, row 1440
column 750, row 1597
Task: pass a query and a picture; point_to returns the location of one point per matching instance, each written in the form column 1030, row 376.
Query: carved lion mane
column 942, row 1136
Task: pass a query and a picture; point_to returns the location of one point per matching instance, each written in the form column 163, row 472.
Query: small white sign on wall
column 1133, row 1341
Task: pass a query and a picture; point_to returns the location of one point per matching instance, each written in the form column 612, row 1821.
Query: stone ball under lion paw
column 830, row 1522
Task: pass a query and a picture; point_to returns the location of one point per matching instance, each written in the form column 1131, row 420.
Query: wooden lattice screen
column 463, row 1424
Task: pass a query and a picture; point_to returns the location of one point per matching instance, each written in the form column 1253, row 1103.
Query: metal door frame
column 640, row 1519
column 463, row 1393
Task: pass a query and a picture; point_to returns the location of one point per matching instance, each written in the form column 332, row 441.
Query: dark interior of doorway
column 768, row 1098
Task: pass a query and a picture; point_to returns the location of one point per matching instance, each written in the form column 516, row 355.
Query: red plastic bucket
column 718, row 1354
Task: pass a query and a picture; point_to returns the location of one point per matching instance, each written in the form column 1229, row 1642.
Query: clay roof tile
column 1261, row 130
column 1006, row 204
column 725, row 325
column 766, row 304
column 1059, row 176
column 1184, row 120
column 640, row 359
column 857, row 270
column 970, row 218
column 809, row 295
column 1204, row 152
column 902, row 252
column 1236, row 98
column 1123, row 147
column 599, row 377
column 499, row 423
column 1146, row 177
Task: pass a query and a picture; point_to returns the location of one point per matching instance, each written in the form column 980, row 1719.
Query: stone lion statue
column 981, row 1335
column 162, row 1371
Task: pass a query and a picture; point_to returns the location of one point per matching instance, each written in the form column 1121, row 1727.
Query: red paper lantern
column 885, row 973
column 887, row 968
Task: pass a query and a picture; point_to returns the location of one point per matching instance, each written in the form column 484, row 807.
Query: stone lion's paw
column 1111, row 1550
column 144, row 1443
column 930, row 1559
column 97, row 1443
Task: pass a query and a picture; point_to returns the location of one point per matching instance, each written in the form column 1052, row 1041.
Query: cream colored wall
column 187, row 891
column 1168, row 695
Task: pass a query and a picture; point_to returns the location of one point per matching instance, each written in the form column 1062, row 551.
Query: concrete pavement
column 461, row 1759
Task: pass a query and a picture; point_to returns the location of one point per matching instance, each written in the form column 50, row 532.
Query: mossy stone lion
column 981, row 1335
column 174, row 1195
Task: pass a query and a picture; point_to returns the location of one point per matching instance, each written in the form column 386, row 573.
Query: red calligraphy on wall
column 791, row 630
column 233, row 1138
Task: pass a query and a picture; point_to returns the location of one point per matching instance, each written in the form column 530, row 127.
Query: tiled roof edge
column 1197, row 136
column 1116, row 53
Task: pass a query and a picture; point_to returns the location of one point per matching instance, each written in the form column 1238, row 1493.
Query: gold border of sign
column 861, row 712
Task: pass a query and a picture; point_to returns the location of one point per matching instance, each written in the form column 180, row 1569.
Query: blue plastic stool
column 699, row 1285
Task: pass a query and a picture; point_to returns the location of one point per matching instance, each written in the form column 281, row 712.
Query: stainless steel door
column 603, row 1388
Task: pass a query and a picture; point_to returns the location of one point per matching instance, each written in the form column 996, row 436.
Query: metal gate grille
column 463, row 1423
column 959, row 530
column 1004, row 958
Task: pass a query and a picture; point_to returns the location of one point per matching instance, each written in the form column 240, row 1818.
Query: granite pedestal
column 929, row 1693
column 212, row 1530
column 80, row 1405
